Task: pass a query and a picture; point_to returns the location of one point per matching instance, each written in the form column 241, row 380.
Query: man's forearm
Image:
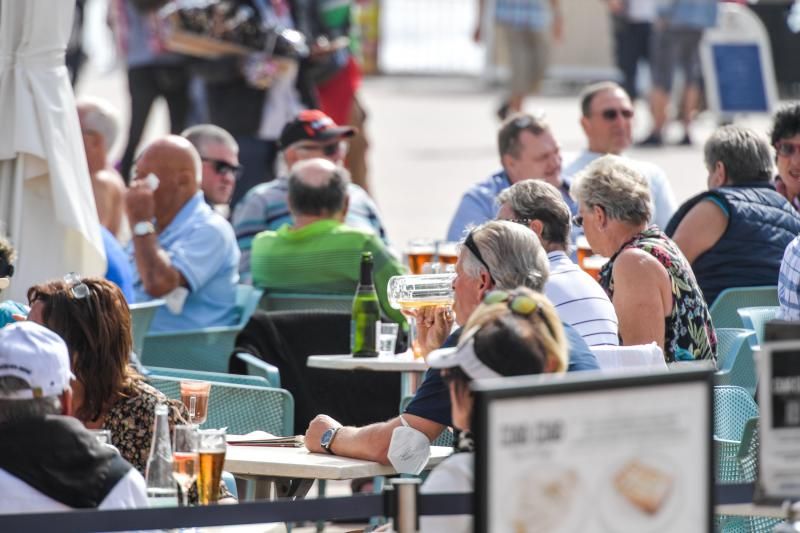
column 154, row 266
column 369, row 442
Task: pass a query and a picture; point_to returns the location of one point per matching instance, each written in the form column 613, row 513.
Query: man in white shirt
column 48, row 461
column 578, row 299
column 607, row 114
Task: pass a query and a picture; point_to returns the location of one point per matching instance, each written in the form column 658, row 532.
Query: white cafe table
column 294, row 470
column 404, row 363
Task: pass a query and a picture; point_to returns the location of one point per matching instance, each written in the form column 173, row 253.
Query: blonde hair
column 540, row 331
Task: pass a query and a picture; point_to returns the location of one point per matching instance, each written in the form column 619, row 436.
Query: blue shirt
column 432, row 399
column 9, row 308
column 689, row 13
column 202, row 247
column 529, row 14
column 479, row 204
column 119, row 269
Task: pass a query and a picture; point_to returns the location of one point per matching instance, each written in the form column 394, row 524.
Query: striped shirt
column 265, row 207
column 534, row 15
column 789, row 282
column 581, row 302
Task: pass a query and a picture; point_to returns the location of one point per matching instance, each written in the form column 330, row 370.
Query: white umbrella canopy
column 47, row 206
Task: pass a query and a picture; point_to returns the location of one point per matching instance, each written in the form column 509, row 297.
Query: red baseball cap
column 313, row 125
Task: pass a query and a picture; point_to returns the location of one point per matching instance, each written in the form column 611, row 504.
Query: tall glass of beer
column 419, row 252
column 211, row 452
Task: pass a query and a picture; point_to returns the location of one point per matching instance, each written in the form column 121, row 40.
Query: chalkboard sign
column 740, row 81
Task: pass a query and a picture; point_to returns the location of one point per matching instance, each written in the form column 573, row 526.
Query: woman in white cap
column 512, row 333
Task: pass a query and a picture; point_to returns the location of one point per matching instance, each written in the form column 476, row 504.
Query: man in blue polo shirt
column 527, row 151
column 496, row 255
column 181, row 250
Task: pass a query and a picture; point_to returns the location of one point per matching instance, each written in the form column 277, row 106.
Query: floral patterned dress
column 689, row 333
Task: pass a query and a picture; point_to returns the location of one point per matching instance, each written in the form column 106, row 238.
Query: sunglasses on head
column 76, row 286
column 223, row 167
column 521, row 304
column 612, row 114
column 469, row 242
column 787, row 148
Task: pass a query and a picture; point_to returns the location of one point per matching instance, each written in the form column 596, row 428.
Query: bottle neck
column 161, row 436
column 366, row 274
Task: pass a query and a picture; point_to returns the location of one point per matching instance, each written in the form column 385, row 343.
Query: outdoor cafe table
column 404, row 363
column 299, row 468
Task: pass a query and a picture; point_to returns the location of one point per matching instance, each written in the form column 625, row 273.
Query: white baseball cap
column 463, row 356
column 36, row 355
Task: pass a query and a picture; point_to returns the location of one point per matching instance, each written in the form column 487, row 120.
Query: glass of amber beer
column 411, row 293
column 211, row 453
column 419, row 252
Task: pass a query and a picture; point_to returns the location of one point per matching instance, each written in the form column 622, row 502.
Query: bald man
column 319, row 253
column 182, row 250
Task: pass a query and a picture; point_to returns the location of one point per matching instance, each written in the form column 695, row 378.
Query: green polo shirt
column 322, row 257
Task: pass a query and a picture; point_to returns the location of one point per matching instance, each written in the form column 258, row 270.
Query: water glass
column 387, row 338
column 102, row 435
column 185, row 459
column 211, row 451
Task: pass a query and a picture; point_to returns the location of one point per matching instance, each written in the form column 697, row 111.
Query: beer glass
column 185, row 459
column 194, row 395
column 419, row 252
column 411, row 293
column 211, row 453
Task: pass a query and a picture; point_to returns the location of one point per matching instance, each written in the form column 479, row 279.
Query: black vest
column 761, row 223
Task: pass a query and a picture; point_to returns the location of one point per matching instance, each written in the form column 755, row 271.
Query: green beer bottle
column 366, row 313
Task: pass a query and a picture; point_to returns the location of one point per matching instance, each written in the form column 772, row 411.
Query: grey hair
column 611, row 183
column 100, row 116
column 325, row 196
column 202, row 135
column 590, row 91
column 538, row 200
column 24, row 409
column 513, row 253
column 745, row 154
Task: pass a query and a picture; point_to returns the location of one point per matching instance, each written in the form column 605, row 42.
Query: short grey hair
column 539, row 200
column 326, row 196
column 590, row 91
column 100, row 116
column 24, row 409
column 513, row 253
column 745, row 154
column 613, row 184
column 202, row 135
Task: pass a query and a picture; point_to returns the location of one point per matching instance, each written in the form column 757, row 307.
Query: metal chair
column 735, row 362
column 445, row 438
column 204, row 349
column 259, row 367
column 724, row 309
column 733, row 407
column 240, row 408
column 294, row 301
column 141, row 316
column 233, row 379
column 755, row 317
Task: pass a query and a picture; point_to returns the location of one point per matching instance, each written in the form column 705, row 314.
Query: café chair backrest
column 257, row 367
column 141, row 317
column 198, row 375
column 445, row 438
column 724, row 309
column 295, row 301
column 735, row 362
column 733, row 407
column 205, row 349
column 638, row 357
column 755, row 318
column 240, row 408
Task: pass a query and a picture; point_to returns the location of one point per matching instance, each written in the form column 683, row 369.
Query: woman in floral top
column 649, row 281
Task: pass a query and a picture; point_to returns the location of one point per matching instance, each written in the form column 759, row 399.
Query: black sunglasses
column 612, row 114
column 577, row 221
column 469, row 242
column 223, row 167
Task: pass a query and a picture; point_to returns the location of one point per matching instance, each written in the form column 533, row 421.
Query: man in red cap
column 312, row 134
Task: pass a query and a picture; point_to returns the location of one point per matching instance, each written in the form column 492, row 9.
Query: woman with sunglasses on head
column 512, row 333
column 785, row 138
column 648, row 279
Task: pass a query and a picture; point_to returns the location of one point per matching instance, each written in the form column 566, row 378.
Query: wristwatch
column 327, row 439
column 145, row 227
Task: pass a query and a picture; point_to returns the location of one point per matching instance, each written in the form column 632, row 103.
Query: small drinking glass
column 194, row 395
column 387, row 338
column 103, row 436
column 211, row 452
column 185, row 459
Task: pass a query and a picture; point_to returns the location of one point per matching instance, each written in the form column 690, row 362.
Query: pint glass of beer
column 211, row 453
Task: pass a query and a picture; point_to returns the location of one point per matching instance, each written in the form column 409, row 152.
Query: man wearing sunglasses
column 312, row 134
column 528, row 150
column 219, row 153
column 734, row 234
column 606, row 119
column 496, row 255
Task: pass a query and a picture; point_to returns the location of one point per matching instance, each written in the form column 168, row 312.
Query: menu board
column 779, row 400
column 604, row 455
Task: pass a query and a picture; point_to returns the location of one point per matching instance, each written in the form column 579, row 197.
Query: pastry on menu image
column 643, row 485
column 544, row 501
